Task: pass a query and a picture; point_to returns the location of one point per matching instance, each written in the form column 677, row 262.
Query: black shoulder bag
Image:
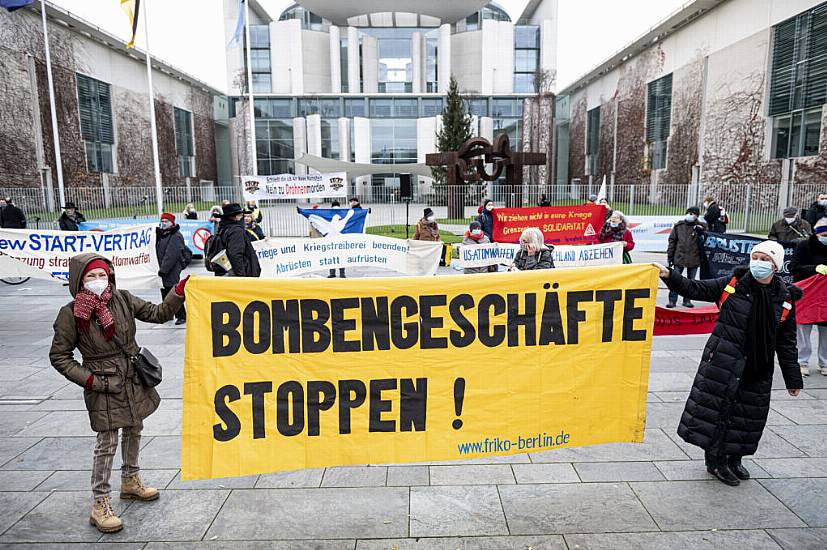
column 146, row 365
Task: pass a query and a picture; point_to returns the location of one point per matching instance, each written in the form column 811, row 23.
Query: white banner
column 482, row 255
column 291, row 186
column 651, row 233
column 45, row 254
column 290, row 258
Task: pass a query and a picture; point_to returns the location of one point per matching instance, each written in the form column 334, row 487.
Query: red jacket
column 627, row 238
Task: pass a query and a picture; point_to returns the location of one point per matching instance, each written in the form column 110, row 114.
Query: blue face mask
column 760, row 269
column 823, row 240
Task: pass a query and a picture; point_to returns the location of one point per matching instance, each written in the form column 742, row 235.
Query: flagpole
column 159, row 194
column 250, row 87
column 55, row 136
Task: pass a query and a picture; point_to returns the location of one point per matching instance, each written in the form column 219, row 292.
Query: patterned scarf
column 87, row 303
column 613, row 233
column 470, row 235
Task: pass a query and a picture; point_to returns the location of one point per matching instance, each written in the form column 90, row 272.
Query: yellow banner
column 304, row 373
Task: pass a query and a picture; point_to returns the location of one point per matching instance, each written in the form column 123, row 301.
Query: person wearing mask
column 12, row 217
column 100, row 324
column 790, row 228
column 215, row 218
column 427, row 228
column 71, row 218
column 817, row 210
column 486, row 218
column 173, row 256
column 615, row 230
column 729, row 402
column 543, row 202
column 533, row 253
column 810, row 258
column 715, row 217
column 473, row 237
column 190, row 213
column 240, row 252
column 332, row 275
column 683, row 252
column 254, row 231
column 252, row 207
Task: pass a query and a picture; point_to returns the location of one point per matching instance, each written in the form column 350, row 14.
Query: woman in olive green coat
column 114, row 396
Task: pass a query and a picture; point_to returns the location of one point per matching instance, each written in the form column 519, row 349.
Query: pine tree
column 456, row 130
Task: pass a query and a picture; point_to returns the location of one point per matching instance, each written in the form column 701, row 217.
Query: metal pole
column 407, row 215
column 632, row 200
column 55, row 136
column 250, row 87
column 159, row 195
column 747, row 205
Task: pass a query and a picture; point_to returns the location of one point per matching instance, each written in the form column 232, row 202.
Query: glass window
column 354, row 107
column 524, row 83
column 507, row 108
column 261, row 60
column 431, row 107
column 97, row 130
column 330, row 138
column 381, row 107
column 659, row 119
column 343, row 64
column 592, row 139
column 260, row 36
column 273, row 108
column 393, row 141
column 406, row 108
column 308, row 107
column 472, row 22
column 431, row 64
column 797, row 134
column 274, row 146
column 526, row 57
column 525, row 61
column 527, row 36
column 182, row 121
column 330, row 108
column 262, row 83
column 478, row 106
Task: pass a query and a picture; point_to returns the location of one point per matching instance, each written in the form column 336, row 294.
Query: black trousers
column 714, row 460
column 341, row 272
column 181, row 313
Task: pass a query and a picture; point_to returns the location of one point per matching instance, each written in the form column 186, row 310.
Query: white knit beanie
column 772, row 249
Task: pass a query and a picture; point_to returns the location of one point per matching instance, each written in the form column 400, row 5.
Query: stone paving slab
column 472, row 475
column 541, row 542
column 701, row 505
column 355, row 476
column 456, row 511
column 545, row 473
column 806, row 497
column 274, row 514
column 800, row 539
column 618, row 471
column 701, row 540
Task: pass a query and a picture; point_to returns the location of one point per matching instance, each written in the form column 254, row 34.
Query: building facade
column 102, row 109
column 722, row 92
column 369, row 88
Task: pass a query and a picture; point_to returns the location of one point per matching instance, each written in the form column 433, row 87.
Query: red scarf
column 475, row 237
column 87, row 303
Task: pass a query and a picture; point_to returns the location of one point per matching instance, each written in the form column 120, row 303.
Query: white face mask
column 476, row 231
column 489, row 207
column 691, row 218
column 430, row 218
column 789, row 220
column 97, row 286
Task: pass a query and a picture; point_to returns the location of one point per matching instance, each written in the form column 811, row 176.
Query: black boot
column 737, row 468
column 718, row 467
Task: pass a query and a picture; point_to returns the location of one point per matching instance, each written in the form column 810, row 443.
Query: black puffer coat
column 173, row 255
column 723, row 411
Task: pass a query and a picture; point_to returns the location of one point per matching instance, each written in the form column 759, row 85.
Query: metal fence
column 751, row 208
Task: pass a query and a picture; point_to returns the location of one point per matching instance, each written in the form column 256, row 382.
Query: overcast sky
column 189, row 34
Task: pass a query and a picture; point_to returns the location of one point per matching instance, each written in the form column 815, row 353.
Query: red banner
column 678, row 322
column 812, row 308
column 560, row 224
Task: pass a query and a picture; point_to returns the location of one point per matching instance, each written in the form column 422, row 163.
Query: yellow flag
column 131, row 7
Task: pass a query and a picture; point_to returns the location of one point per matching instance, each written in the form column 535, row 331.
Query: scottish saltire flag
column 131, row 8
column 335, row 221
column 239, row 25
column 12, row 5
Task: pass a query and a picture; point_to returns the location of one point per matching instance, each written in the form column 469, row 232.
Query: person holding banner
column 683, row 251
column 475, row 237
column 173, row 256
column 486, row 219
column 810, row 259
column 190, row 213
column 254, row 230
column 534, row 253
column 729, row 402
column 614, row 230
column 100, row 323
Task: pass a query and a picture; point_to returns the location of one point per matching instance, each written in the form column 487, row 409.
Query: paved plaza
column 655, row 495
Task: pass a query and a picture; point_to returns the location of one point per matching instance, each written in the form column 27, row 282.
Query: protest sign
column 195, row 232
column 590, row 255
column 281, row 258
column 560, row 224
column 678, row 322
column 651, row 233
column 132, row 251
column 333, row 221
column 291, row 186
column 721, row 253
column 295, row 373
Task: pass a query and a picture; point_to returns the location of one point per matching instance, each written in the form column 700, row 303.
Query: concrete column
column 353, row 60
column 361, row 148
column 497, row 57
column 314, row 138
column 444, row 57
column 370, row 64
column 548, row 46
column 416, row 61
column 344, row 139
column 487, row 128
column 286, row 54
column 335, row 60
column 299, row 144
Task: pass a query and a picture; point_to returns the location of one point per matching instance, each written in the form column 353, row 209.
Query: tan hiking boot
column 103, row 517
column 132, row 488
